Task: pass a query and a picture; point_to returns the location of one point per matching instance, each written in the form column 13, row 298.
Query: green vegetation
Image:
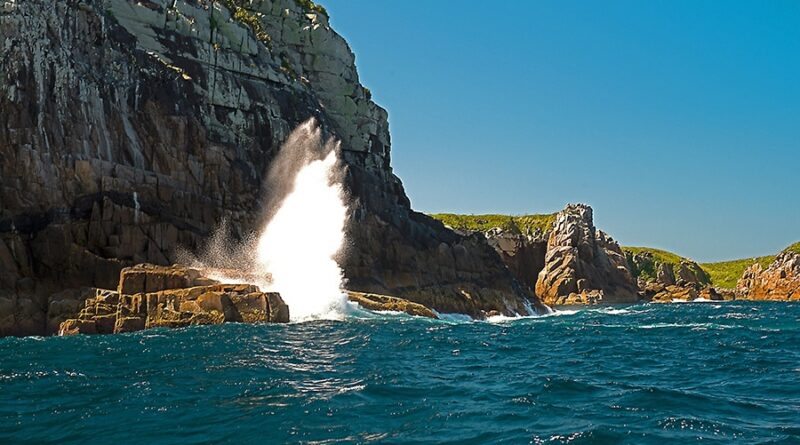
column 725, row 274
column 286, row 67
column 247, row 18
column 794, row 248
column 310, row 6
column 649, row 269
column 482, row 223
column 662, row 256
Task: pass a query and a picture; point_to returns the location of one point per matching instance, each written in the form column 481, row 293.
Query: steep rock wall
column 131, row 128
column 583, row 264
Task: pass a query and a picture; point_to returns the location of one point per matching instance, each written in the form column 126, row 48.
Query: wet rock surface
column 374, row 302
column 164, row 297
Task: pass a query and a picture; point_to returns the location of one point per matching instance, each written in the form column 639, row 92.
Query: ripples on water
column 647, row 374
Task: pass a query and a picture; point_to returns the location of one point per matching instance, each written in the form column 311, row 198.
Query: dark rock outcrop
column 583, row 265
column 172, row 297
column 780, row 281
column 522, row 253
column 129, row 129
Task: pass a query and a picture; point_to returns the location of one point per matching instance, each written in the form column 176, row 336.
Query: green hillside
column 726, row 273
column 647, row 270
column 483, row 223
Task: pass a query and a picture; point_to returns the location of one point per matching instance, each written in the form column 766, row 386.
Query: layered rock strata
column 150, row 296
column 130, row 129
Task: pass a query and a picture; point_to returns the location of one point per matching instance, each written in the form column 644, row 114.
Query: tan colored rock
column 176, row 305
column 376, row 302
column 129, row 324
column 74, row 327
column 780, row 281
column 153, row 278
column 577, row 251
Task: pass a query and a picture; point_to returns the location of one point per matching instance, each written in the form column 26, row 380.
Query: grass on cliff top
column 726, row 273
column 662, row 256
column 794, row 248
column 483, row 223
column 648, row 270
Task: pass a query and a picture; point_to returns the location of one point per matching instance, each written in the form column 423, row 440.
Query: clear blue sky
column 678, row 121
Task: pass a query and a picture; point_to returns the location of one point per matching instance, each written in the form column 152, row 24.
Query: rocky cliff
column 665, row 277
column 562, row 257
column 521, row 241
column 583, row 264
column 131, row 128
column 780, row 281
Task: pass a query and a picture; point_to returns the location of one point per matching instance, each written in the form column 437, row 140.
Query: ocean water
column 647, row 374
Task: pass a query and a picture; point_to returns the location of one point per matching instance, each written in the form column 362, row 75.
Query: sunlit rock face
column 129, row 129
column 583, row 265
column 780, row 281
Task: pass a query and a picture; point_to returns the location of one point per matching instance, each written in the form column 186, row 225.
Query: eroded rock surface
column 583, row 265
column 129, row 129
column 780, row 281
column 673, row 279
column 172, row 297
column 374, row 302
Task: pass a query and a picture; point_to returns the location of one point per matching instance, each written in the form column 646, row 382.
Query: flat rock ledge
column 375, row 302
column 150, row 296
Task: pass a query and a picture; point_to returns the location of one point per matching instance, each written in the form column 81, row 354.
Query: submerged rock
column 173, row 297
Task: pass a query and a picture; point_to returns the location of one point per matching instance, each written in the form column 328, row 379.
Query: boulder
column 376, row 302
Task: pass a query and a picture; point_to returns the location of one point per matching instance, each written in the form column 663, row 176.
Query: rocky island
column 130, row 129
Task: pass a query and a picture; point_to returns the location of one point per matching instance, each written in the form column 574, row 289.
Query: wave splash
column 299, row 245
column 295, row 251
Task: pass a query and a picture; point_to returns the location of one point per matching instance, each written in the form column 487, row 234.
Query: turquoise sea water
column 646, row 374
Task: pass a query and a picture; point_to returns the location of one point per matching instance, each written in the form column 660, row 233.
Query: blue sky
column 678, row 121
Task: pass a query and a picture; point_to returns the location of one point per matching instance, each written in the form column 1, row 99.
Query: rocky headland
column 779, row 281
column 570, row 261
column 131, row 129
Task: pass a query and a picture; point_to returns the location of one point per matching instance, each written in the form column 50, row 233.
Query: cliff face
column 780, row 281
column 583, row 264
column 562, row 257
column 129, row 129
